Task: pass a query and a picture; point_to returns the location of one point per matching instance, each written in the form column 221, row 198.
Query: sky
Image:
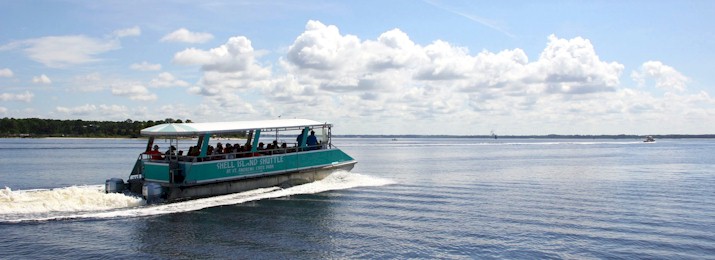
column 428, row 67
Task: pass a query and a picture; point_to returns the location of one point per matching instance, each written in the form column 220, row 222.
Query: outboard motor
column 114, row 185
column 152, row 192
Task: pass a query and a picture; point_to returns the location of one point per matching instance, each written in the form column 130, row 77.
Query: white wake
column 90, row 202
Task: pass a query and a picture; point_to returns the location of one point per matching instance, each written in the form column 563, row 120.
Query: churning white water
column 90, row 202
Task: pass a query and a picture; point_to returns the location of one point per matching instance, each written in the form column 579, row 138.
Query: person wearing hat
column 154, row 153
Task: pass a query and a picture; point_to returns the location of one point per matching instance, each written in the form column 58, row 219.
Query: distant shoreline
column 54, row 128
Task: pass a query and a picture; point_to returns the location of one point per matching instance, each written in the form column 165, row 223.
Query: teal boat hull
column 181, row 180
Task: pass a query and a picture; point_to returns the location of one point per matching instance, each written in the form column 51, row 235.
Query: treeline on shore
column 36, row 127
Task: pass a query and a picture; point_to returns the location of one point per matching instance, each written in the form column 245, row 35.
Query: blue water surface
column 454, row 198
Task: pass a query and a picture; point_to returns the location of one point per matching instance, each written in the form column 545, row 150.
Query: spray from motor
column 91, row 202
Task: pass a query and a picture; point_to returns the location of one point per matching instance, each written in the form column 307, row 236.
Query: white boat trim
column 190, row 129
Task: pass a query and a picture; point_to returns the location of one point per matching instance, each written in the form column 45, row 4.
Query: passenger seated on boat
column 279, row 149
column 312, row 141
column 299, row 138
column 249, row 153
column 262, row 149
column 228, row 151
column 219, row 148
column 238, row 150
column 246, row 151
column 155, row 154
column 171, row 151
column 194, row 151
column 217, row 154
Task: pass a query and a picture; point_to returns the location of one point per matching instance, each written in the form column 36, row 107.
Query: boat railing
column 233, row 155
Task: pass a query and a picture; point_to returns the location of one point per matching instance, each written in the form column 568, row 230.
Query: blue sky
column 369, row 67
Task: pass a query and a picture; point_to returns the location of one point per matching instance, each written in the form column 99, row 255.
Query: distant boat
column 649, row 139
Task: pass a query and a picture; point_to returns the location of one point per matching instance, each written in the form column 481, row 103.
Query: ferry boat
column 204, row 170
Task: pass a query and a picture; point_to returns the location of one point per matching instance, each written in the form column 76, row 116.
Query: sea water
column 406, row 198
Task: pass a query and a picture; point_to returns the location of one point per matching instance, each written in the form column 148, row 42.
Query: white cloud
column 6, row 73
column 42, row 79
column 166, row 79
column 665, row 77
column 133, row 31
column 22, row 97
column 177, row 111
column 323, row 47
column 394, row 64
column 113, row 109
column 394, row 78
column 3, row 110
column 80, row 110
column 92, row 82
column 102, row 111
column 230, row 66
column 236, row 55
column 393, row 50
column 145, row 66
column 249, row 79
column 572, row 66
column 133, row 92
column 192, row 56
column 446, row 62
column 184, row 35
column 64, row 51
column 366, row 85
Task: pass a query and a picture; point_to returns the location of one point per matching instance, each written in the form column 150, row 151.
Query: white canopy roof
column 189, row 129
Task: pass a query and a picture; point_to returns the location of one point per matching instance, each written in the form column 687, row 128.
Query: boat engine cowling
column 152, row 192
column 114, row 185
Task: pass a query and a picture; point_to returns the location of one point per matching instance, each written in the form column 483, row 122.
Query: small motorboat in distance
column 649, row 139
column 206, row 170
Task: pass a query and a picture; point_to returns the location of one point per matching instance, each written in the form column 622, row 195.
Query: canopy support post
column 149, row 144
column 256, row 136
column 305, row 137
column 204, row 142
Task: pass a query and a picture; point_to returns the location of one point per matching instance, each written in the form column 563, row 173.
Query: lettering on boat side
column 251, row 165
